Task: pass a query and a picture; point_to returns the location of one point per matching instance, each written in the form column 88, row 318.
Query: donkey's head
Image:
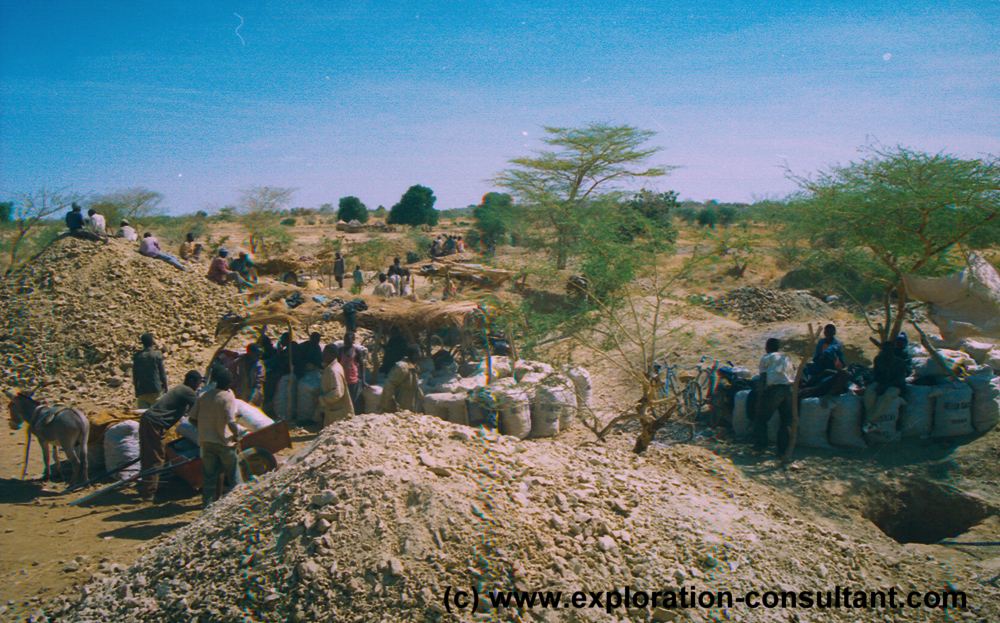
column 21, row 406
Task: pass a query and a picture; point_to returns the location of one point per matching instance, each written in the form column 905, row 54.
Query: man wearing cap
column 248, row 384
column 149, row 376
column 154, row 424
column 219, row 271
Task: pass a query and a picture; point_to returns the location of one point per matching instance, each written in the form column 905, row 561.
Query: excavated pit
column 924, row 512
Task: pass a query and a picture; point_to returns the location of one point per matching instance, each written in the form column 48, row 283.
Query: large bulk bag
column 742, row 425
column 560, row 396
column 523, row 367
column 993, row 360
column 501, row 367
column 281, row 394
column 515, row 413
column 187, row 430
column 448, row 407
column 250, row 417
column 917, row 416
column 121, row 445
column 845, row 422
column 743, row 418
column 952, row 358
column 580, row 378
column 307, row 396
column 985, row 402
column 546, row 411
column 882, row 415
column 979, row 351
column 371, row 398
column 953, row 411
column 814, row 419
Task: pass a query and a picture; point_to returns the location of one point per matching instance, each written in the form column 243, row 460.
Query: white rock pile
column 382, row 513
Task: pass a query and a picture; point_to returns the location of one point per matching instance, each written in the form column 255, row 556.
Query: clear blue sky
column 368, row 98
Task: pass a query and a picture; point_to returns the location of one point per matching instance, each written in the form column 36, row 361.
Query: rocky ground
column 376, row 518
column 72, row 319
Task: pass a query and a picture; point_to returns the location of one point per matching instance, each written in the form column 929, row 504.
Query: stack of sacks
column 882, row 415
column 814, row 418
column 553, row 408
column 929, row 367
column 307, row 393
column 371, row 398
column 581, row 384
column 121, row 445
column 979, row 351
column 515, row 413
column 845, row 422
column 953, row 411
column 523, row 367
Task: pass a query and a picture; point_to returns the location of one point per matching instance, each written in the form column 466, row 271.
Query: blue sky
column 368, row 98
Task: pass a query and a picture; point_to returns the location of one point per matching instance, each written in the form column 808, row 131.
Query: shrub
column 288, row 222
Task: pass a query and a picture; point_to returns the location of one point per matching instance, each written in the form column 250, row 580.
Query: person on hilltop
column 245, row 268
column 248, row 381
column 335, row 398
column 460, row 245
column 150, row 247
column 220, row 273
column 449, row 245
column 149, row 376
column 352, row 360
column 401, row 391
column 76, row 224
column 359, row 280
column 384, row 289
column 96, row 224
column 190, row 250
column 777, row 374
column 127, row 232
column 214, row 415
column 339, row 269
column 154, row 424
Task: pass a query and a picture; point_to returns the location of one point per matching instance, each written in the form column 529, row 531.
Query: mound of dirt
column 382, row 513
column 73, row 318
column 754, row 305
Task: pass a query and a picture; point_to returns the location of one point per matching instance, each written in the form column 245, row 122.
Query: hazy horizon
column 199, row 102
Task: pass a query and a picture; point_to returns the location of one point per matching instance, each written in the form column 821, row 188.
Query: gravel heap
column 74, row 317
column 377, row 517
column 754, row 305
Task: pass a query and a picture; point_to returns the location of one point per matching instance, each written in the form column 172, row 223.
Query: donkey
column 60, row 424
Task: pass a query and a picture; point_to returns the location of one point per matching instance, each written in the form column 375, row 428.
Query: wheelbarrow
column 256, row 457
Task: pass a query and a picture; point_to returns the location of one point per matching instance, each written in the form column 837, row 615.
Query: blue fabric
column 74, row 220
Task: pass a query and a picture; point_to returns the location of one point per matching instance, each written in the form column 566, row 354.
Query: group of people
column 253, row 377
column 240, row 270
column 825, row 374
column 396, row 281
column 447, row 245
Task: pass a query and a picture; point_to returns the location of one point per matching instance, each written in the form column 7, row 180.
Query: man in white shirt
column 214, row 415
column 777, row 374
column 127, row 232
column 95, row 223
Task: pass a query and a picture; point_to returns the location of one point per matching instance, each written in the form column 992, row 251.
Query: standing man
column 334, row 398
column 777, row 373
column 359, row 279
column 149, row 377
column 214, row 415
column 339, row 269
column 154, row 424
column 401, row 391
column 248, row 385
column 396, row 268
column 352, row 359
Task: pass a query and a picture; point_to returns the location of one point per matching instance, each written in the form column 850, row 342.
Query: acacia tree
column 907, row 209
column 261, row 207
column 30, row 210
column 586, row 162
column 132, row 204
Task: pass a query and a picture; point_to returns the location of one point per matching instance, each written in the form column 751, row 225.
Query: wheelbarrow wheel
column 255, row 462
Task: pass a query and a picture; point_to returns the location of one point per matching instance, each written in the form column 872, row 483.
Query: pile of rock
column 756, row 305
column 74, row 315
column 379, row 516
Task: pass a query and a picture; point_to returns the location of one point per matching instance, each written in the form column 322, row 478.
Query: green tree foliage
column 648, row 209
column 493, row 215
column 133, row 204
column 380, row 212
column 687, row 213
column 727, row 215
column 351, row 209
column 6, row 211
column 708, row 217
column 262, row 207
column 415, row 207
column 30, row 213
column 906, row 209
column 585, row 163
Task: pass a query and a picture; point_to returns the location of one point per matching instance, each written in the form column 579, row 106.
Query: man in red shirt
column 352, row 358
